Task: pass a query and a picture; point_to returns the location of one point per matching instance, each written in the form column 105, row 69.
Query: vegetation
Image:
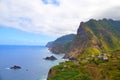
column 88, row 68
column 95, row 37
column 61, row 45
column 96, row 48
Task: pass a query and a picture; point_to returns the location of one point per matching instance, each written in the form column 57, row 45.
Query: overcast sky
column 54, row 17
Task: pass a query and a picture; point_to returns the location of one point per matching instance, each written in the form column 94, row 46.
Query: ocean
column 30, row 58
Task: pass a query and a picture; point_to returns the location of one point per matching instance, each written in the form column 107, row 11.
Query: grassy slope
column 107, row 32
column 92, row 69
column 95, row 37
column 103, row 36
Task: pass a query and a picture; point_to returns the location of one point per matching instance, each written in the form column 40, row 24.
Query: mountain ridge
column 98, row 36
column 61, row 44
column 95, row 53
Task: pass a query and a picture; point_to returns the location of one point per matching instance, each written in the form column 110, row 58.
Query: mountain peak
column 96, row 36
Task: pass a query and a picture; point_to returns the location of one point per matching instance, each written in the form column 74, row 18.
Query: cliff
column 96, row 48
column 61, row 44
column 95, row 37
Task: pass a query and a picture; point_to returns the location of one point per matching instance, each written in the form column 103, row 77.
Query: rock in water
column 51, row 58
column 15, row 67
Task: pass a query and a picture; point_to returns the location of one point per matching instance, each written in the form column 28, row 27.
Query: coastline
column 30, row 58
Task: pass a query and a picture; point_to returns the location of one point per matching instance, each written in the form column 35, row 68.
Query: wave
column 7, row 68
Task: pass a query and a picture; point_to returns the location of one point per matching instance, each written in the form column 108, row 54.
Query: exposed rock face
column 96, row 42
column 61, row 44
column 51, row 73
column 95, row 36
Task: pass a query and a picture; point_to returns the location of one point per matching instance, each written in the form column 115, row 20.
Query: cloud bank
column 54, row 17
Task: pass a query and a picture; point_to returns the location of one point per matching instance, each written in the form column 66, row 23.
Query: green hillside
column 61, row 45
column 96, row 49
column 95, row 37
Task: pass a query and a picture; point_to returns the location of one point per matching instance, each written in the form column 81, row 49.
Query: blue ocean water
column 30, row 58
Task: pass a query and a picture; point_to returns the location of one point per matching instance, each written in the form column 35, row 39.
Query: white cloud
column 37, row 17
column 113, row 13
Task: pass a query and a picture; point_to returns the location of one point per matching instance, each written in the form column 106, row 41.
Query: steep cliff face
column 61, row 45
column 96, row 36
column 96, row 49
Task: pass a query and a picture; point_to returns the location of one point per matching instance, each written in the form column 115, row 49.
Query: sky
column 36, row 22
